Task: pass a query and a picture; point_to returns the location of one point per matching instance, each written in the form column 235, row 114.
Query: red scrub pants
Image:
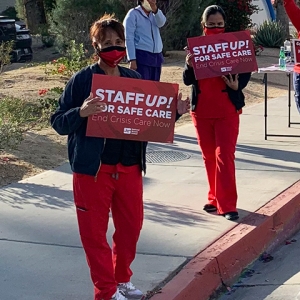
column 120, row 190
column 217, row 139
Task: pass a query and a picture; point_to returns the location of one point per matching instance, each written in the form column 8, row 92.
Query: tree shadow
column 270, row 153
column 38, row 195
column 180, row 215
column 186, row 139
column 171, row 215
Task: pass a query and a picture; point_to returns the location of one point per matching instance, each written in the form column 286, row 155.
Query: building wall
column 6, row 3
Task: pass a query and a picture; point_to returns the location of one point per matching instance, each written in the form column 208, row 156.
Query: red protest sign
column 222, row 54
column 296, row 50
column 136, row 109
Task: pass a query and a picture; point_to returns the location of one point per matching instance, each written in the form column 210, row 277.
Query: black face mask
column 111, row 48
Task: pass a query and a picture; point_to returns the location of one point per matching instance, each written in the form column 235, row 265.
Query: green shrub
column 16, row 117
column 20, row 9
column 74, row 60
column 49, row 5
column 174, row 34
column 270, row 34
column 47, row 38
column 48, row 103
column 71, row 19
column 189, row 13
column 5, row 53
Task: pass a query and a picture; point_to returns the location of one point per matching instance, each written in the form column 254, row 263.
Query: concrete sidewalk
column 278, row 279
column 41, row 255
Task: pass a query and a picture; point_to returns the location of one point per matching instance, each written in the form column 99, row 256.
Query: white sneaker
column 118, row 296
column 130, row 291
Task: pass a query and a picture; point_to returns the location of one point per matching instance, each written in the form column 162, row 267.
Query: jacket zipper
column 151, row 31
column 100, row 161
column 152, row 36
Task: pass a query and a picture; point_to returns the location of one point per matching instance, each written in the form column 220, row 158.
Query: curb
column 224, row 260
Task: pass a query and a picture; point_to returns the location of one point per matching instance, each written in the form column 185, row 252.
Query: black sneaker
column 209, row 208
column 231, row 216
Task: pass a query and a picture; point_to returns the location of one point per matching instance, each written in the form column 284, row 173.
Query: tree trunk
column 282, row 17
column 35, row 14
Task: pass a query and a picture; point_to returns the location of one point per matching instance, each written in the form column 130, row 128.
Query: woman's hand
column 232, row 83
column 91, row 106
column 153, row 6
column 183, row 106
column 189, row 59
column 132, row 65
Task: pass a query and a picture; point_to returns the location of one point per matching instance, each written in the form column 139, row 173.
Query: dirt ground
column 44, row 149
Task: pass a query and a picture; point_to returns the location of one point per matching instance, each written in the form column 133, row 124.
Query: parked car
column 23, row 43
column 17, row 32
column 7, row 29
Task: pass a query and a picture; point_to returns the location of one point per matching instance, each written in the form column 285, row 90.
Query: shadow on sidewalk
column 40, row 196
column 185, row 216
column 262, row 152
column 283, row 155
column 185, row 139
column 172, row 215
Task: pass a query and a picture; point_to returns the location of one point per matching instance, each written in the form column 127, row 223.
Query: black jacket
column 236, row 97
column 84, row 152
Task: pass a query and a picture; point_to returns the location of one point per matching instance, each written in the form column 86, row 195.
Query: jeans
column 296, row 83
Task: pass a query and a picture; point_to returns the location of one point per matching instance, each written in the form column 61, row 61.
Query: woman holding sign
column 107, row 173
column 293, row 11
column 216, row 106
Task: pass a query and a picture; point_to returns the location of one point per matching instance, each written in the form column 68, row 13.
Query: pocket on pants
column 92, row 225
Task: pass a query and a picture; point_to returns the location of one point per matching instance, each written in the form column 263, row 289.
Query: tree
column 71, row 19
column 282, row 17
column 49, row 5
column 35, row 15
column 183, row 21
column 238, row 13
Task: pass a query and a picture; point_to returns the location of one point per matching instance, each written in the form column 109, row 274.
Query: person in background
column 293, row 11
column 107, row 173
column 143, row 40
column 216, row 106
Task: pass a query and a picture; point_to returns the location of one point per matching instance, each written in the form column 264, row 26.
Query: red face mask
column 213, row 30
column 112, row 56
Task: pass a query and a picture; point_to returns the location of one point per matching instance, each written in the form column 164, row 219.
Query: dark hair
column 99, row 28
column 139, row 2
column 212, row 10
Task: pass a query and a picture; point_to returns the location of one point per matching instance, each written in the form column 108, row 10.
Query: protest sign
column 222, row 54
column 296, row 50
column 136, row 109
